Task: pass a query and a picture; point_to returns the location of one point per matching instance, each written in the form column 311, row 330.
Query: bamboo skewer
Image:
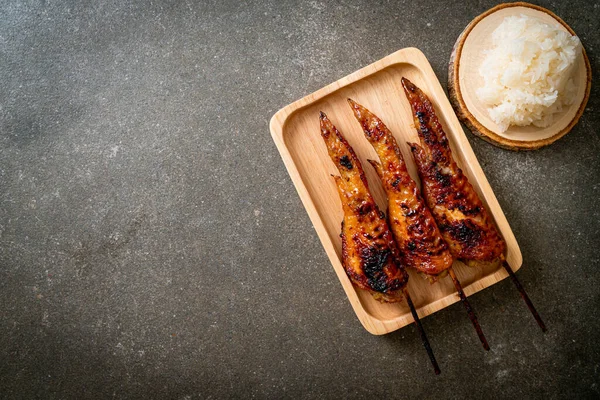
column 521, row 290
column 470, row 311
column 424, row 339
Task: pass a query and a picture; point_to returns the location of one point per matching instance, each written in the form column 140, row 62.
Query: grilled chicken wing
column 458, row 211
column 418, row 237
column 369, row 254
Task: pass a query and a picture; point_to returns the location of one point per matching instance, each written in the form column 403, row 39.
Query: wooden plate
column 295, row 130
column 464, row 79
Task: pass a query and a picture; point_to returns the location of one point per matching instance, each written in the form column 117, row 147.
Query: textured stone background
column 153, row 245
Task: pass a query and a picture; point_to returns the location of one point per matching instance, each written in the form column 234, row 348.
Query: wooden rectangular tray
column 295, row 130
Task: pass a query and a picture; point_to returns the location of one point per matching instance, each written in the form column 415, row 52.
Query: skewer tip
column 436, row 367
column 524, row 296
column 469, row 309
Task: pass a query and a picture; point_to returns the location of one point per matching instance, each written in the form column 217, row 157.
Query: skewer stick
column 524, row 296
column 424, row 339
column 470, row 311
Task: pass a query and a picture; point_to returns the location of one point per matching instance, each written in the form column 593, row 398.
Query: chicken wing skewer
column 418, row 237
column 459, row 212
column 369, row 254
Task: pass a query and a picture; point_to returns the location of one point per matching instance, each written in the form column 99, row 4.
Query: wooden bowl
column 464, row 79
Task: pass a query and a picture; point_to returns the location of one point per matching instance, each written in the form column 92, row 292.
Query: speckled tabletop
column 152, row 244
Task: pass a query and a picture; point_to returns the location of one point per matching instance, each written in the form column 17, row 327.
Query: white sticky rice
column 528, row 72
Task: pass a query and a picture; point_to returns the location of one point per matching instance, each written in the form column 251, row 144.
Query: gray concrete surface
column 152, row 244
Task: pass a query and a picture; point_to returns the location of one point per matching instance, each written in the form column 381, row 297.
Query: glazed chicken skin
column 418, row 237
column 369, row 255
column 458, row 211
